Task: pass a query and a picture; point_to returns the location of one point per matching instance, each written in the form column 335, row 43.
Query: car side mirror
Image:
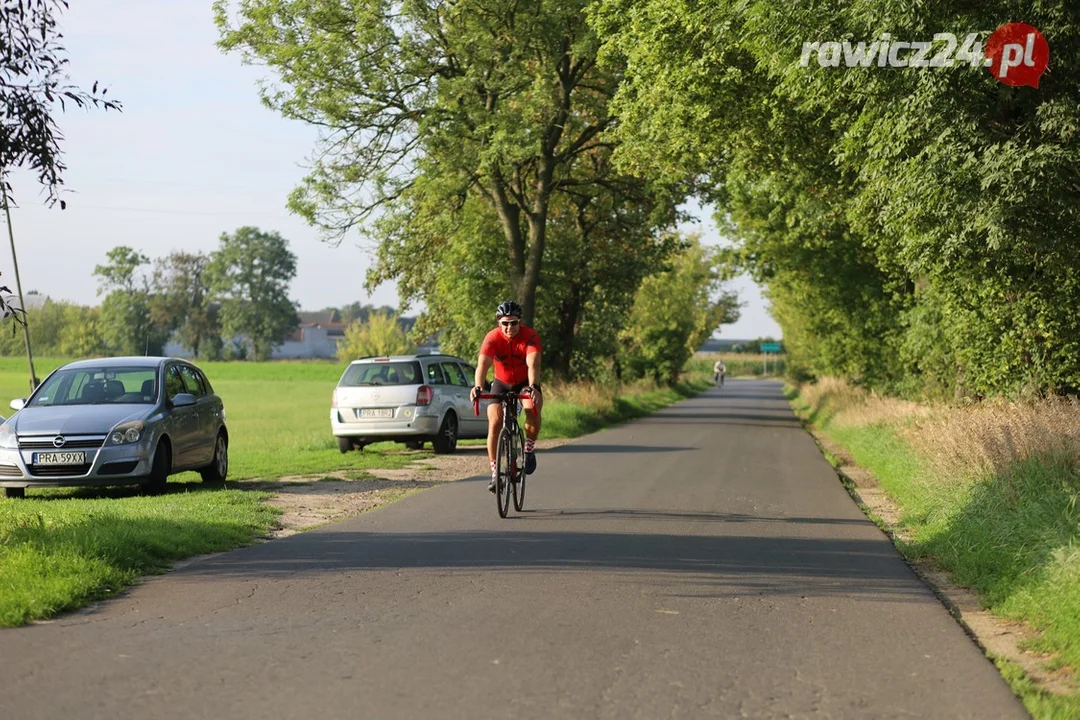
column 17, row 404
column 182, row 400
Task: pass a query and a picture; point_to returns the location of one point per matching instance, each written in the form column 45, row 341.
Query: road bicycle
column 509, row 453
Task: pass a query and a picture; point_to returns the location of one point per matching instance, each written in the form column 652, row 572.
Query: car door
column 216, row 406
column 441, row 400
column 202, row 441
column 183, row 421
column 457, row 389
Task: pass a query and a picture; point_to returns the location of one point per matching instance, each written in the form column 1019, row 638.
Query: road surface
column 702, row 562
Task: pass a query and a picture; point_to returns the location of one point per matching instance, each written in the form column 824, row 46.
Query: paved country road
column 702, row 562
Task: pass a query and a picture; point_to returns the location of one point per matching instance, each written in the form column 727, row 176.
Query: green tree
column 880, row 208
column 250, row 274
column 381, row 334
column 127, row 328
column 181, row 301
column 483, row 98
column 81, row 335
column 674, row 312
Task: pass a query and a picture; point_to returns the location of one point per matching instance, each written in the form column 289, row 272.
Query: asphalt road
column 702, row 562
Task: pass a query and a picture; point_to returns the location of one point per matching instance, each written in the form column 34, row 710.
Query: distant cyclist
column 515, row 351
column 719, row 370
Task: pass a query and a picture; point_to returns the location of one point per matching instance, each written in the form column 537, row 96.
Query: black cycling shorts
column 498, row 387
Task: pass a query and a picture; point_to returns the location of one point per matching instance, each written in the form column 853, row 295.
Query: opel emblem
column 58, row 441
column 375, row 396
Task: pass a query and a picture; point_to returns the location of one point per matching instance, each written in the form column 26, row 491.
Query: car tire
column 159, row 470
column 446, row 441
column 415, row 444
column 344, row 444
column 218, row 469
column 15, row 492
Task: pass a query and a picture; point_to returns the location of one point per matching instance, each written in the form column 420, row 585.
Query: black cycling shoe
column 530, row 463
column 491, row 485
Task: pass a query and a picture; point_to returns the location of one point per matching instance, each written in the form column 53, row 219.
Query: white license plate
column 59, row 458
column 374, row 412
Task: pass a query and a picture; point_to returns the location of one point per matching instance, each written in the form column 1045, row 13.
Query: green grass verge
column 1013, row 536
column 58, row 554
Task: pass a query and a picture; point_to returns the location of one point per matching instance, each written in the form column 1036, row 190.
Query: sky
column 193, row 154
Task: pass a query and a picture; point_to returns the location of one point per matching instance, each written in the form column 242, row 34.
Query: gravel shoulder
column 310, row 501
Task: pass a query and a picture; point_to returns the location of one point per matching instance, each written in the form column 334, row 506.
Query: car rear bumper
column 407, row 422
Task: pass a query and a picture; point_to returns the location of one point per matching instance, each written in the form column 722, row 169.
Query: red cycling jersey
column 509, row 353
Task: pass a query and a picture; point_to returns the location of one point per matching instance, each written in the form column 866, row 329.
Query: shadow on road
column 690, row 515
column 682, row 416
column 575, row 448
column 714, row 565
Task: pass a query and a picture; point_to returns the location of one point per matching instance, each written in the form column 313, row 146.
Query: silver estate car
column 411, row 399
column 115, row 421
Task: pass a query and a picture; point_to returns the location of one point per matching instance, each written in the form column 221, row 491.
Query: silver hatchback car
column 115, row 421
column 411, row 399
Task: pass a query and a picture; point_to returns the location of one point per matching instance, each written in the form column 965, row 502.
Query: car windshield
column 382, row 373
column 98, row 386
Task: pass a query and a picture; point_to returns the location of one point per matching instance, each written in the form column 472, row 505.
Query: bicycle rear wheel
column 519, row 486
column 504, row 466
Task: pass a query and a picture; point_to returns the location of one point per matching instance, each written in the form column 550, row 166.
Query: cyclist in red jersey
column 514, row 349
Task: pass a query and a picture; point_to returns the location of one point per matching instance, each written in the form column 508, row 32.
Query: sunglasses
column 512, row 323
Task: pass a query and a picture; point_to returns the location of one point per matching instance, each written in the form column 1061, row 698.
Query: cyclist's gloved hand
column 476, row 392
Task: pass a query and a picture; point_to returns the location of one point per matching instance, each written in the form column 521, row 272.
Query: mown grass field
column 278, row 416
column 990, row 493
column 61, row 548
column 740, row 364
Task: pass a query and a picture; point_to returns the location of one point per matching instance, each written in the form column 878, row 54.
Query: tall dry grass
column 594, row 395
column 959, row 441
column 849, row 406
column 989, row 437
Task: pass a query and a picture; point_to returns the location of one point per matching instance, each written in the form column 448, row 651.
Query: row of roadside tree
column 917, row 230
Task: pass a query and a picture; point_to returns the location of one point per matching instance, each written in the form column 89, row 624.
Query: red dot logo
column 1017, row 54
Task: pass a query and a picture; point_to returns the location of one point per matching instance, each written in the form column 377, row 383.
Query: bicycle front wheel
column 504, row 466
column 519, row 486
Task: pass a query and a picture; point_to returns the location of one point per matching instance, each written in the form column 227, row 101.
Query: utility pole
column 18, row 284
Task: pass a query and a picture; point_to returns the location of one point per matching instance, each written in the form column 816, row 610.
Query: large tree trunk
column 569, row 312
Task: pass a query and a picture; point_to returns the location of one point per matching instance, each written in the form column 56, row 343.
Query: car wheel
column 415, row 444
column 344, row 444
column 159, row 470
column 218, row 470
column 446, row 441
column 15, row 492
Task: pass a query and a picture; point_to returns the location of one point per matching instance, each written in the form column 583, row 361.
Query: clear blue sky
column 193, row 154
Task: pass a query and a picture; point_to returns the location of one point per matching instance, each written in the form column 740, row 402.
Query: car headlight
column 8, row 438
column 127, row 433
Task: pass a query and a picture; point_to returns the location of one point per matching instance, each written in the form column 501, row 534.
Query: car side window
column 435, row 375
column 470, row 373
column 174, row 384
column 191, row 381
column 454, row 373
column 205, row 381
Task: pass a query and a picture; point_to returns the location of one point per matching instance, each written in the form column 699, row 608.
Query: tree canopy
column 914, row 227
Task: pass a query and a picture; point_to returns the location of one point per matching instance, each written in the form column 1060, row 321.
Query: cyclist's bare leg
column 532, row 424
